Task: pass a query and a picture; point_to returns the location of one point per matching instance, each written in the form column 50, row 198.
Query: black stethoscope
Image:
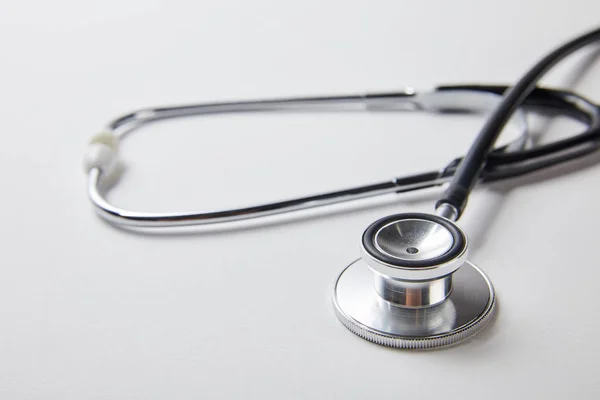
column 412, row 286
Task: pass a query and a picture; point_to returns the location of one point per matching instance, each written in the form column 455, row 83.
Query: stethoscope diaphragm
column 412, row 287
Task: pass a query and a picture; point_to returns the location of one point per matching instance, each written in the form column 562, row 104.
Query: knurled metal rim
column 430, row 342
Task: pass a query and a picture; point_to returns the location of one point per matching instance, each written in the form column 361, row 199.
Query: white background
column 88, row 311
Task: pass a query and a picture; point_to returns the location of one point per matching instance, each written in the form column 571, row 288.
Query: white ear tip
column 99, row 156
column 106, row 138
column 104, row 158
column 103, row 154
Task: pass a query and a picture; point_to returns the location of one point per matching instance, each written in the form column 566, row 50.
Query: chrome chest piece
column 413, row 288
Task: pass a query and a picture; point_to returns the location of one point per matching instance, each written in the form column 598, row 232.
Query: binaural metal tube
column 447, row 100
column 125, row 217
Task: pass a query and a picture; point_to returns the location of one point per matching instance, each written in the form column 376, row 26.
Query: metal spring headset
column 412, row 287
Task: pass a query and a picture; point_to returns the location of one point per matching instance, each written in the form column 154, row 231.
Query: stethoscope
column 412, row 286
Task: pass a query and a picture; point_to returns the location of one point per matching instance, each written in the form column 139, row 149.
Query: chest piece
column 412, row 287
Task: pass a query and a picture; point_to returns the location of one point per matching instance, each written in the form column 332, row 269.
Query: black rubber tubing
column 471, row 166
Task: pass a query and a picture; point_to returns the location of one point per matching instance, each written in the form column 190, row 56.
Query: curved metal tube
column 466, row 101
column 144, row 219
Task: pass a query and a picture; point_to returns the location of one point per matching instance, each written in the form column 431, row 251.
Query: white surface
column 91, row 312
